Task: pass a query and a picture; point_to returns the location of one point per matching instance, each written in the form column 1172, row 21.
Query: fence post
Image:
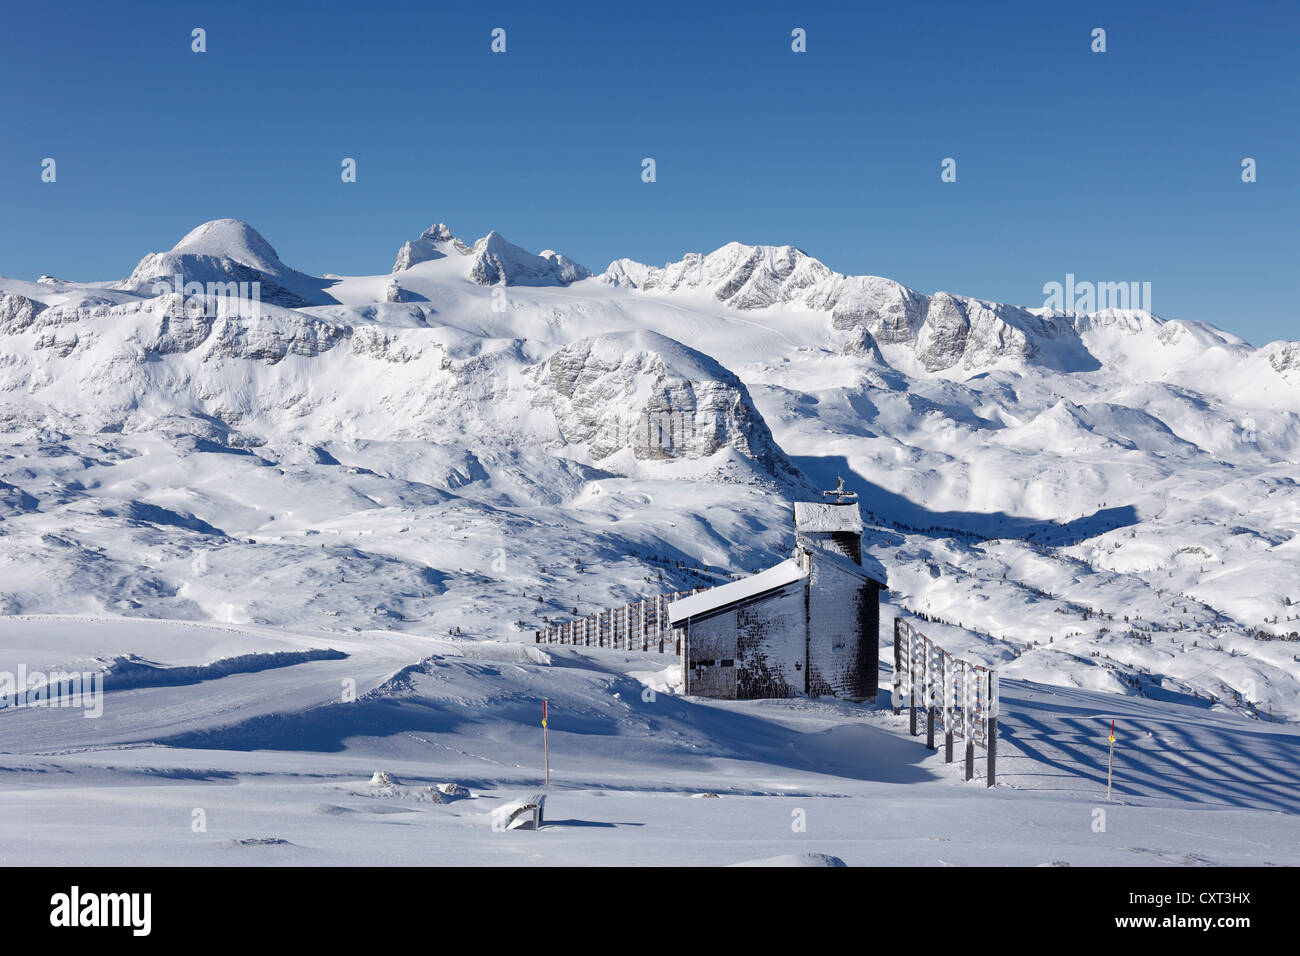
column 992, row 743
column 947, row 708
column 992, row 734
column 929, row 696
column 967, row 719
column 911, row 685
column 898, row 669
column 911, row 678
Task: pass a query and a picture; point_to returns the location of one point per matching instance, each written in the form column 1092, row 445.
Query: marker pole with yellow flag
column 546, row 743
column 1110, row 762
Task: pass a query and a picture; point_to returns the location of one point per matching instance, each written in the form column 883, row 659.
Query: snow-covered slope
column 237, row 745
column 504, row 438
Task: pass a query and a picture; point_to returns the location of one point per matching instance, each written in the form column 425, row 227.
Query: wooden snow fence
column 639, row 626
column 956, row 695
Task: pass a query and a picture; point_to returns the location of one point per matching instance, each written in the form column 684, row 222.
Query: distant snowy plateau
column 383, row 485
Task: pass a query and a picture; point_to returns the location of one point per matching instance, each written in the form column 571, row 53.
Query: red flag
column 543, row 711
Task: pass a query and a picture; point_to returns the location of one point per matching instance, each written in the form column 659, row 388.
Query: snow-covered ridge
column 493, row 260
column 944, row 331
column 618, row 399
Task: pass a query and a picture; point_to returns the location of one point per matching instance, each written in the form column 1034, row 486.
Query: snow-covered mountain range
column 486, row 439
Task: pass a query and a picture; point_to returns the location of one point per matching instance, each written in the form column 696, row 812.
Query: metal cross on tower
column 840, row 494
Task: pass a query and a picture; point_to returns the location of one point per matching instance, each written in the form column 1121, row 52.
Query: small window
column 728, row 662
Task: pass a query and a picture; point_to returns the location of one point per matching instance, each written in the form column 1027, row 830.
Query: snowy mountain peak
column 438, row 232
column 231, row 239
column 742, row 276
column 223, row 251
column 436, row 242
column 499, row 261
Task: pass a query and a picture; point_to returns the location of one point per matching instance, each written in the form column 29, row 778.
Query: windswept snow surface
column 275, row 767
column 380, row 486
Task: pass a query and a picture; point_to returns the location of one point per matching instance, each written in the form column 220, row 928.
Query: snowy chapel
column 808, row 626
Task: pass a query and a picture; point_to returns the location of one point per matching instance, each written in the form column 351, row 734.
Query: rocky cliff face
column 17, row 312
column 648, row 394
column 1285, row 359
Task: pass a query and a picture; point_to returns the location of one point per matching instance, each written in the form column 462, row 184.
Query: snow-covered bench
column 525, row 814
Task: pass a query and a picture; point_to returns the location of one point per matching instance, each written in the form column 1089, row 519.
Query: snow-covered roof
column 812, row 517
column 787, row 572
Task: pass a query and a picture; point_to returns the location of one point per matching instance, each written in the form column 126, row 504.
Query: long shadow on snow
column 895, row 508
column 584, row 705
column 1181, row 759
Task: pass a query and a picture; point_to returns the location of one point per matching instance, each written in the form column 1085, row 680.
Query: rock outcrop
column 646, row 393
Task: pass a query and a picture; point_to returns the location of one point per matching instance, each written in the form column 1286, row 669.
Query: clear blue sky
column 1122, row 166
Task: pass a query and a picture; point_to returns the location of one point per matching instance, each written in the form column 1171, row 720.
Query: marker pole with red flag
column 546, row 743
column 1110, row 762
